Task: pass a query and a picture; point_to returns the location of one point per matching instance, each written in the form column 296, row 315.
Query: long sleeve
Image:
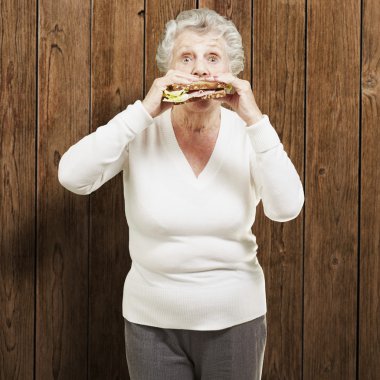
column 99, row 156
column 278, row 183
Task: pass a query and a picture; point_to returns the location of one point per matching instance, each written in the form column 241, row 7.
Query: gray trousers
column 234, row 353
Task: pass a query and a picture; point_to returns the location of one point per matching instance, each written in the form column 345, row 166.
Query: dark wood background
column 67, row 67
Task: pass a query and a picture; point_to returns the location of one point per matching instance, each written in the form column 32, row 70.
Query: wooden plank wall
column 68, row 67
column 332, row 182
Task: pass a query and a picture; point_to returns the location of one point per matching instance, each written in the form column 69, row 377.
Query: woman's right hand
column 153, row 100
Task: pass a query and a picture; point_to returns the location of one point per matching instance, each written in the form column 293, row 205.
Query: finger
column 227, row 78
column 177, row 79
column 238, row 84
column 164, row 82
column 190, row 77
column 166, row 105
column 241, row 86
column 177, row 73
column 185, row 76
column 226, row 99
column 220, row 100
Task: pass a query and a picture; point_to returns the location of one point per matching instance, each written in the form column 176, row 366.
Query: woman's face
column 201, row 55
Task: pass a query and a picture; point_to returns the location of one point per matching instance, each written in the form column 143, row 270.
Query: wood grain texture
column 62, row 261
column 332, row 162
column 17, row 188
column 278, row 76
column 369, row 297
column 117, row 80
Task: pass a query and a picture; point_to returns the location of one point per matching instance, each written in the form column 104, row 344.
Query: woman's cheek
column 182, row 67
column 224, row 68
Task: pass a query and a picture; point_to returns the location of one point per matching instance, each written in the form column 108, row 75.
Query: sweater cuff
column 140, row 116
column 262, row 135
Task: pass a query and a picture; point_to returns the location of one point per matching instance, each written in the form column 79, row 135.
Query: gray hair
column 202, row 20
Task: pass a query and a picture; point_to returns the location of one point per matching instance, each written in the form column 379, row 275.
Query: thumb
column 226, row 99
column 166, row 105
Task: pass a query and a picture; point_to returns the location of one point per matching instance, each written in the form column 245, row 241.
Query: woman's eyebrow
column 189, row 48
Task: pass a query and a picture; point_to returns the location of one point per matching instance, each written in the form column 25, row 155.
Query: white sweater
column 194, row 263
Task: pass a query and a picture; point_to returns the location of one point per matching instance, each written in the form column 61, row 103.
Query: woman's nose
column 200, row 70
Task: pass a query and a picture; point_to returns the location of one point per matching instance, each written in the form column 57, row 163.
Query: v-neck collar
column 179, row 159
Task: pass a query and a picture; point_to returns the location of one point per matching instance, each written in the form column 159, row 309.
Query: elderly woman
column 194, row 302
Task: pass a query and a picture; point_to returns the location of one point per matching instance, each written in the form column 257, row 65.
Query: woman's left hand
column 242, row 101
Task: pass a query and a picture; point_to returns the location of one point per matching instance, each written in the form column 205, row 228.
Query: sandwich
column 184, row 93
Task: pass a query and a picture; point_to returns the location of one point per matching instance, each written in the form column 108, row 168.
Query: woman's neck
column 195, row 122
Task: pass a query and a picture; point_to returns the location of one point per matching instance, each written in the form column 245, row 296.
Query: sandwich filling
column 186, row 93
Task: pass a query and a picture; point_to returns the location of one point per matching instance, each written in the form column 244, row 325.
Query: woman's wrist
column 147, row 107
column 254, row 119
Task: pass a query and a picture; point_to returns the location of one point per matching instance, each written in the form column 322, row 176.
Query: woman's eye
column 212, row 58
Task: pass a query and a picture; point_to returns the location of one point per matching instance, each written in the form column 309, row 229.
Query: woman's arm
column 99, row 156
column 278, row 183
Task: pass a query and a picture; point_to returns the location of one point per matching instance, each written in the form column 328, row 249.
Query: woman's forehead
column 188, row 38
